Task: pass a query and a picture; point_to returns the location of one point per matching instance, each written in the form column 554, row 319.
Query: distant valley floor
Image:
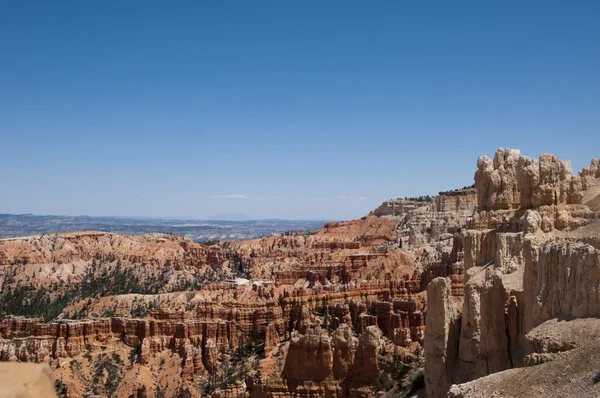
column 18, row 225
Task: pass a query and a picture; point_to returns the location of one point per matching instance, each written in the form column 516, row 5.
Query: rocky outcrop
column 441, row 338
column 528, row 259
column 310, row 357
column 28, row 340
column 432, row 221
column 396, row 207
column 366, row 367
column 565, row 365
column 483, row 344
column 496, row 181
column 512, row 181
column 450, row 201
column 333, row 253
column 566, row 276
column 456, row 201
column 344, row 347
column 315, row 357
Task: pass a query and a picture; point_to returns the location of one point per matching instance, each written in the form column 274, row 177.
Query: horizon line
column 169, row 218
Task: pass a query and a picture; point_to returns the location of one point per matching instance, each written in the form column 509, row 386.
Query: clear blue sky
column 299, row 109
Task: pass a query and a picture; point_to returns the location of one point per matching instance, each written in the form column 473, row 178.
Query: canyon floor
column 485, row 291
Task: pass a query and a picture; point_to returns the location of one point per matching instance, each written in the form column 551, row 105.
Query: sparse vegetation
column 466, row 187
column 235, row 366
column 209, row 242
column 32, row 302
column 160, row 393
column 183, row 393
column 383, row 382
column 425, row 198
column 60, row 388
column 107, row 374
column 103, row 278
column 596, row 378
column 133, row 355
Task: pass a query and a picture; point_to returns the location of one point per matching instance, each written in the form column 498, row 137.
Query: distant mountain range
column 216, row 228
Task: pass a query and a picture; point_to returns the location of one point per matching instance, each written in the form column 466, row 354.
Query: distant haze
column 229, row 216
column 12, row 225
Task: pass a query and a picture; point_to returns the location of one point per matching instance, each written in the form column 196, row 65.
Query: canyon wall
column 529, row 257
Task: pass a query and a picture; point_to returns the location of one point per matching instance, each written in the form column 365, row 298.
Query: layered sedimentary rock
column 456, row 201
column 529, row 257
column 566, row 276
column 336, row 365
column 348, row 287
column 449, row 201
column 512, row 181
column 212, row 327
column 365, row 368
column 364, row 294
column 396, row 207
column 29, row 340
column 337, row 248
column 65, row 266
column 441, row 338
column 483, row 343
column 430, row 221
column 309, row 357
column 84, row 246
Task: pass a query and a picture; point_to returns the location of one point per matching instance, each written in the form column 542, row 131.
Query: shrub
column 383, row 382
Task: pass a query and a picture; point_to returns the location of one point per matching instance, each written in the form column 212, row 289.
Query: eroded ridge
column 531, row 258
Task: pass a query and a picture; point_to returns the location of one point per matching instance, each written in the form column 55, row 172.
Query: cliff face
column 456, row 201
column 512, row 181
column 396, row 207
column 529, row 256
column 451, row 201
column 430, row 220
column 441, row 341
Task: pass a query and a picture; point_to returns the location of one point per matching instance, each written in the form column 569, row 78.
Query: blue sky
column 280, row 109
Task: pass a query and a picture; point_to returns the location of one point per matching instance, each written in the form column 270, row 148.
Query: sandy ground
column 574, row 372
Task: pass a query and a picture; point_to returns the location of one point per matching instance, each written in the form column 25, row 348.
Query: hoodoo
column 464, row 294
column 531, row 260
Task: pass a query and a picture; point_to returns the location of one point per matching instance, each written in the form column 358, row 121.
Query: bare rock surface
column 441, row 338
column 569, row 368
column 310, row 356
column 531, row 256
